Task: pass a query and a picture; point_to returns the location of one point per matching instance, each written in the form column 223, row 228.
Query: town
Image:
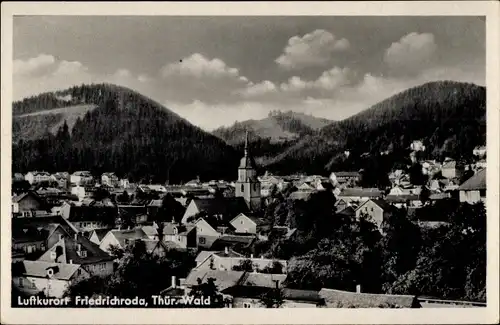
column 219, row 238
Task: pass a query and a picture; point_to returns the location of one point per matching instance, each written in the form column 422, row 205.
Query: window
column 247, row 305
column 202, row 240
column 482, row 193
column 241, row 222
column 29, row 249
column 83, row 253
column 242, row 188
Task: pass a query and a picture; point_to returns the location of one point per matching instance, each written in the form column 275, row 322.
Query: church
column 247, row 185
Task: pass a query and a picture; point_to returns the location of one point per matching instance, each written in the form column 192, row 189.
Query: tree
column 425, row 194
column 273, row 298
column 209, row 289
column 274, row 267
column 123, row 198
column 244, row 265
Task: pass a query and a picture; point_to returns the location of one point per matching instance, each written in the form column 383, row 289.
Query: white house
column 377, row 210
column 109, row 179
column 246, row 223
column 81, row 177
column 473, row 190
column 121, row 238
column 37, row 177
column 52, row 279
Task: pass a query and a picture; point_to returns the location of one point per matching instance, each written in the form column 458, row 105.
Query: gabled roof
column 46, row 222
column 345, row 299
column 253, row 218
column 229, row 207
column 38, row 269
column 70, row 248
column 347, row 211
column 128, row 234
column 168, row 229
column 20, row 197
column 262, row 279
column 476, row 182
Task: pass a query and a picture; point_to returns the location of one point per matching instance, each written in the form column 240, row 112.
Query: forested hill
column 449, row 117
column 127, row 133
column 277, row 127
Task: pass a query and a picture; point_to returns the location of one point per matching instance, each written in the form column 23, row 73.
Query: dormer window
column 83, row 253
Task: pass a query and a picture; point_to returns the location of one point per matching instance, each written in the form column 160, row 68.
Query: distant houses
column 474, row 189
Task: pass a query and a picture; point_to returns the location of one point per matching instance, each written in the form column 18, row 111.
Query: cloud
column 33, row 66
column 197, row 65
column 264, row 87
column 411, row 52
column 313, row 49
column 70, row 68
column 329, row 80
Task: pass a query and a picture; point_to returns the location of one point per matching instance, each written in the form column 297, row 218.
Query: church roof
column 247, row 161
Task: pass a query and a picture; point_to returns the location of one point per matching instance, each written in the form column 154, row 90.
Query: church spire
column 246, row 143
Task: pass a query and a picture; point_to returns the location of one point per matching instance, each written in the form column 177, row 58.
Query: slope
column 449, row 117
column 127, row 133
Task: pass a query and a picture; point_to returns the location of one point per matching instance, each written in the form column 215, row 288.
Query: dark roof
column 302, row 295
column 476, row 182
column 18, row 198
column 45, row 222
column 70, row 247
column 168, row 228
column 100, row 233
column 345, row 299
column 348, row 211
column 264, row 280
column 361, row 192
column 232, row 241
column 383, row 204
column 401, row 198
column 104, row 213
column 229, row 207
column 258, row 221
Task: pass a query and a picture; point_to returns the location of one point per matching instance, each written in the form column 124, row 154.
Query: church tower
column 248, row 186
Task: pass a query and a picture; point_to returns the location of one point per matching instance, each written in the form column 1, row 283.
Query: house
column 304, row 186
column 121, row 238
column 206, row 233
column 110, row 179
column 158, row 248
column 78, row 249
column 251, row 287
column 28, row 243
column 81, row 178
column 51, row 279
column 248, row 223
column 37, row 177
column 348, row 211
column 377, row 210
column 228, row 207
column 88, row 216
column 153, row 207
column 346, row 299
column 324, row 186
column 124, row 183
column 136, row 213
column 473, row 190
column 97, row 235
column 345, row 177
column 359, row 194
column 417, row 145
column 182, row 235
column 27, row 204
column 16, row 177
column 151, row 231
column 62, row 179
column 479, row 151
column 452, row 169
column 405, row 200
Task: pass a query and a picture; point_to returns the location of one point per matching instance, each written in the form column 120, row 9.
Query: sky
column 214, row 71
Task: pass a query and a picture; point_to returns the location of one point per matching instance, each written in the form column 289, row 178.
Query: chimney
column 76, row 236
column 262, row 257
column 70, row 261
column 358, row 288
column 251, row 256
column 174, row 284
column 226, row 250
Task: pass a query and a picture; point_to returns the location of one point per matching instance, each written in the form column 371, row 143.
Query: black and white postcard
column 311, row 162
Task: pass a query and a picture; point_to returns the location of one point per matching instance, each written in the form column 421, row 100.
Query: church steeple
column 248, row 186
